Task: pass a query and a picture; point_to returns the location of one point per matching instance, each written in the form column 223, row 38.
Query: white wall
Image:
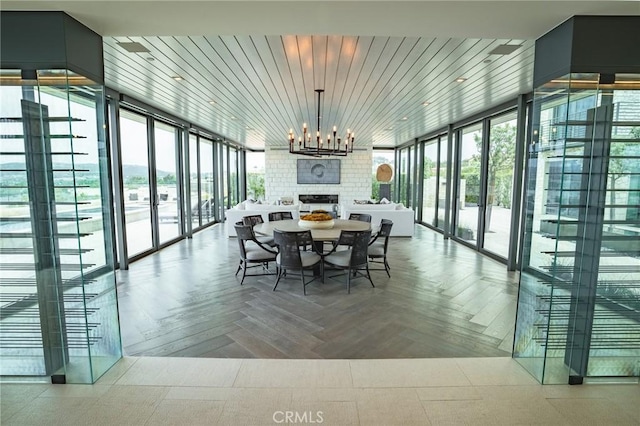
column 281, row 177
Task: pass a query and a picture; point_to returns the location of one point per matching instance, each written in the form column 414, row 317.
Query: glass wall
column 499, row 193
column 469, row 171
column 442, row 182
column 224, row 174
column 57, row 287
column 255, row 175
column 194, row 180
column 234, row 182
column 136, row 185
column 430, row 182
column 166, row 169
column 380, row 190
column 207, row 181
column 411, row 195
column 579, row 301
column 403, row 177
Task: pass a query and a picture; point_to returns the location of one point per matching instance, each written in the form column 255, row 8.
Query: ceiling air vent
column 133, row 47
column 505, row 49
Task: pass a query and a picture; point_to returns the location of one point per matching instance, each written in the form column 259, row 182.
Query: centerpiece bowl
column 315, row 220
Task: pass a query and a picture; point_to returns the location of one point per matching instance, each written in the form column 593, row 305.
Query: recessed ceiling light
column 233, row 117
column 177, row 78
column 486, row 61
column 150, row 58
column 461, row 79
column 404, row 119
column 425, row 103
column 212, row 102
column 389, row 128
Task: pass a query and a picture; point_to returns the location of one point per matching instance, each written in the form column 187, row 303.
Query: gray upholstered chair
column 256, row 219
column 280, row 216
column 253, row 253
column 362, row 217
column 292, row 257
column 378, row 246
column 354, row 260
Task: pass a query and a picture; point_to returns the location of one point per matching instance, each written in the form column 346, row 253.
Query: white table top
column 332, row 234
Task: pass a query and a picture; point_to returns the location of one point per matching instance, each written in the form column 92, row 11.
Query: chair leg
column 244, row 272
column 369, row 276
column 280, row 273
column 239, row 267
column 386, row 267
column 349, row 281
column 304, row 286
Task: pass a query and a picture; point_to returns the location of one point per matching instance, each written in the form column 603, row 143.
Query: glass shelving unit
column 58, row 308
column 579, row 301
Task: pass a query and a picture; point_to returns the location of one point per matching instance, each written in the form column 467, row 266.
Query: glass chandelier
column 333, row 145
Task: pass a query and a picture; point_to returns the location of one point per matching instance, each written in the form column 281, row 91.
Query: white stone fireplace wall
column 281, row 179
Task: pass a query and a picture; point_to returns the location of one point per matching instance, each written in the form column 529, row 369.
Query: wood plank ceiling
column 253, row 89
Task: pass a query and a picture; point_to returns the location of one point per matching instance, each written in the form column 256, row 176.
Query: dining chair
column 379, row 244
column 256, row 219
column 291, row 256
column 273, row 216
column 362, row 217
column 253, row 253
column 355, row 259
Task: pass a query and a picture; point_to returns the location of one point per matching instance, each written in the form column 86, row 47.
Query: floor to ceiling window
column 500, row 166
column 166, row 168
column 430, row 182
column 207, row 181
column 152, row 177
column 469, row 170
column 224, row 174
column 234, row 184
column 443, row 166
column 194, row 180
column 135, row 176
column 403, row 177
column 380, row 190
column 255, row 175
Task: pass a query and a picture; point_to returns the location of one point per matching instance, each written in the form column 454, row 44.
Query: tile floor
column 197, row 391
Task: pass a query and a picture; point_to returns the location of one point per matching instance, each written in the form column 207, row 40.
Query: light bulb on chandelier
column 334, row 145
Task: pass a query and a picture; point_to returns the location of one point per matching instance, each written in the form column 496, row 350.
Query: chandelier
column 332, row 145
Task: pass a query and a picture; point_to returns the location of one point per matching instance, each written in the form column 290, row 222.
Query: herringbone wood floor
column 442, row 300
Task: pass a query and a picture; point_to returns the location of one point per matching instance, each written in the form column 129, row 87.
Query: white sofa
column 245, row 208
column 402, row 217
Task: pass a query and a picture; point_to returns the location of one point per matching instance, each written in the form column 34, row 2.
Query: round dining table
column 332, row 234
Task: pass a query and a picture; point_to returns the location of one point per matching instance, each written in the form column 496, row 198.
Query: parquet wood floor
column 442, row 300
